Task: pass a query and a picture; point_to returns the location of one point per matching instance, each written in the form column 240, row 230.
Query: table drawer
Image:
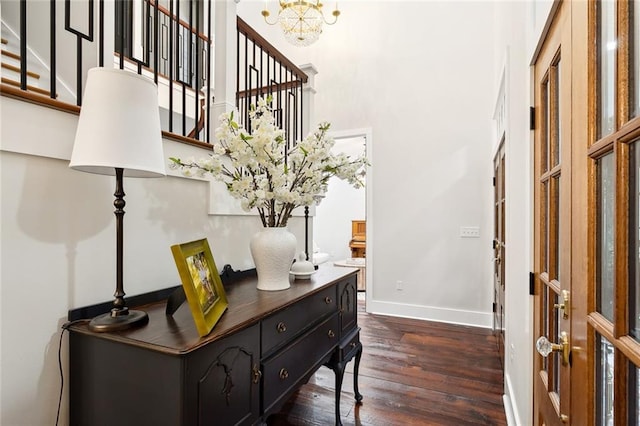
column 348, row 347
column 285, row 325
column 284, row 371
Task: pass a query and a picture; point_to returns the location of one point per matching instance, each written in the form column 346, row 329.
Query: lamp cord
column 65, row 327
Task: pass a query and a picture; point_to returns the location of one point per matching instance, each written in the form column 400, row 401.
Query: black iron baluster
column 189, row 77
column 280, row 97
column 100, row 33
column 301, row 90
column 238, row 71
column 197, row 76
column 247, row 96
column 122, row 35
column 52, row 50
column 156, row 43
column 23, row 44
column 171, row 65
column 181, row 64
column 79, row 37
column 208, row 56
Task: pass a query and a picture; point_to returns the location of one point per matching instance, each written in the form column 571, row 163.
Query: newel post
column 308, row 122
column 308, row 98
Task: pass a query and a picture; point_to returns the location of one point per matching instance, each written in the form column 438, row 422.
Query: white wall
column 420, row 75
column 342, row 204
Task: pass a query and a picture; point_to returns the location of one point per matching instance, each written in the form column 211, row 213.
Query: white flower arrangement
column 258, row 170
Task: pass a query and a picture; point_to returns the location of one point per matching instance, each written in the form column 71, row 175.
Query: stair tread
column 4, row 41
column 29, row 87
column 10, row 54
column 17, row 69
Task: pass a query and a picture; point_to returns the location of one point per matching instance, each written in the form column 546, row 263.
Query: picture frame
column 201, row 283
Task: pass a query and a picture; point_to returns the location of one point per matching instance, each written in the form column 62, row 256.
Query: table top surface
column 177, row 334
column 353, row 262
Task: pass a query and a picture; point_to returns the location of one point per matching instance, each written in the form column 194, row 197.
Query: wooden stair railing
column 262, row 70
column 191, row 83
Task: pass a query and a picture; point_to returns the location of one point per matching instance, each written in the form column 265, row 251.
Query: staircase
column 10, row 64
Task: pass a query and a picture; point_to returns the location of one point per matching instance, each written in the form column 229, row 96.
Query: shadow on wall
column 179, row 205
column 65, row 210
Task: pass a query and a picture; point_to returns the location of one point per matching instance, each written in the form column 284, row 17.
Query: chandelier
column 301, row 21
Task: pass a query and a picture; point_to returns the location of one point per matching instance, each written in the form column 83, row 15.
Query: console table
column 261, row 351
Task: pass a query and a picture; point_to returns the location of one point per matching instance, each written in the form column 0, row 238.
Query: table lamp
column 119, row 134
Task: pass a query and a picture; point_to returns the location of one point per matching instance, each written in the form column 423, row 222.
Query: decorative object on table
column 302, row 269
column 119, row 134
column 265, row 172
column 273, row 250
column 301, row 20
column 201, row 283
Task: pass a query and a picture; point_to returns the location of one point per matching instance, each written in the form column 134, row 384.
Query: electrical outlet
column 399, row 285
column 469, row 232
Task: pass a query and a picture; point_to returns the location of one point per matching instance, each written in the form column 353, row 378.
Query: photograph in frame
column 201, row 283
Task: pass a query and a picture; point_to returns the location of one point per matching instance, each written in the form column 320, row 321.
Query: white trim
column 510, row 406
column 428, row 313
column 367, row 133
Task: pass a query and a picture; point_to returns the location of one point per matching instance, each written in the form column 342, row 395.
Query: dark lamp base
column 109, row 322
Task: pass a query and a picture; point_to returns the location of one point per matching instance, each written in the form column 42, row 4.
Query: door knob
column 545, row 347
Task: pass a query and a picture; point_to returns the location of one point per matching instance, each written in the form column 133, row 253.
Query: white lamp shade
column 119, row 126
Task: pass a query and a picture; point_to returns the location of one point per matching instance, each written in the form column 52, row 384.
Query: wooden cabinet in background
column 358, row 243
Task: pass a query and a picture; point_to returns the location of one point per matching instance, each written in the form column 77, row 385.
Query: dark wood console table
column 261, row 351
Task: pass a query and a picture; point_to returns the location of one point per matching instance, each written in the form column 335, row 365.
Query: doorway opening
column 341, row 224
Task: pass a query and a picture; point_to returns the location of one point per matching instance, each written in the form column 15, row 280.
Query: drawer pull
column 281, row 327
column 352, row 344
column 328, row 300
column 331, row 334
column 283, row 374
column 257, row 374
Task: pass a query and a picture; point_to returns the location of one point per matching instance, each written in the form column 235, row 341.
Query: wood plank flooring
column 412, row 373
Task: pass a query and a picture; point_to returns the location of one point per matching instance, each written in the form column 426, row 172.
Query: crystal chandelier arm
column 335, row 15
column 265, row 15
column 265, row 12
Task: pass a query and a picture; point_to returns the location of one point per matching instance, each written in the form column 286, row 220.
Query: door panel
column 499, row 248
column 553, row 222
column 587, row 215
column 612, row 315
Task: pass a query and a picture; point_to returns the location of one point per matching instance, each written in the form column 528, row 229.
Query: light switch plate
column 469, row 232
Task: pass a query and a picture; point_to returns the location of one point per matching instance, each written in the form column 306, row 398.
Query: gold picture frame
column 201, row 283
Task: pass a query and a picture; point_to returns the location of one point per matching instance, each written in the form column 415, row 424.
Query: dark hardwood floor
column 412, row 373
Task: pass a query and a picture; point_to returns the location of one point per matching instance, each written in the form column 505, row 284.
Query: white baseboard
column 430, row 313
column 510, row 406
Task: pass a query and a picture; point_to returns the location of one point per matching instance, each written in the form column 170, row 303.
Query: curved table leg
column 356, row 368
column 338, row 370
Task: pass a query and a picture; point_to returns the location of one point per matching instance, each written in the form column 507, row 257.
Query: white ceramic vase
column 273, row 250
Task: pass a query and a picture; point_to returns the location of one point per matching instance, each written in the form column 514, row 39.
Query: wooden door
column 499, row 248
column 587, row 215
column 613, row 310
column 559, row 220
